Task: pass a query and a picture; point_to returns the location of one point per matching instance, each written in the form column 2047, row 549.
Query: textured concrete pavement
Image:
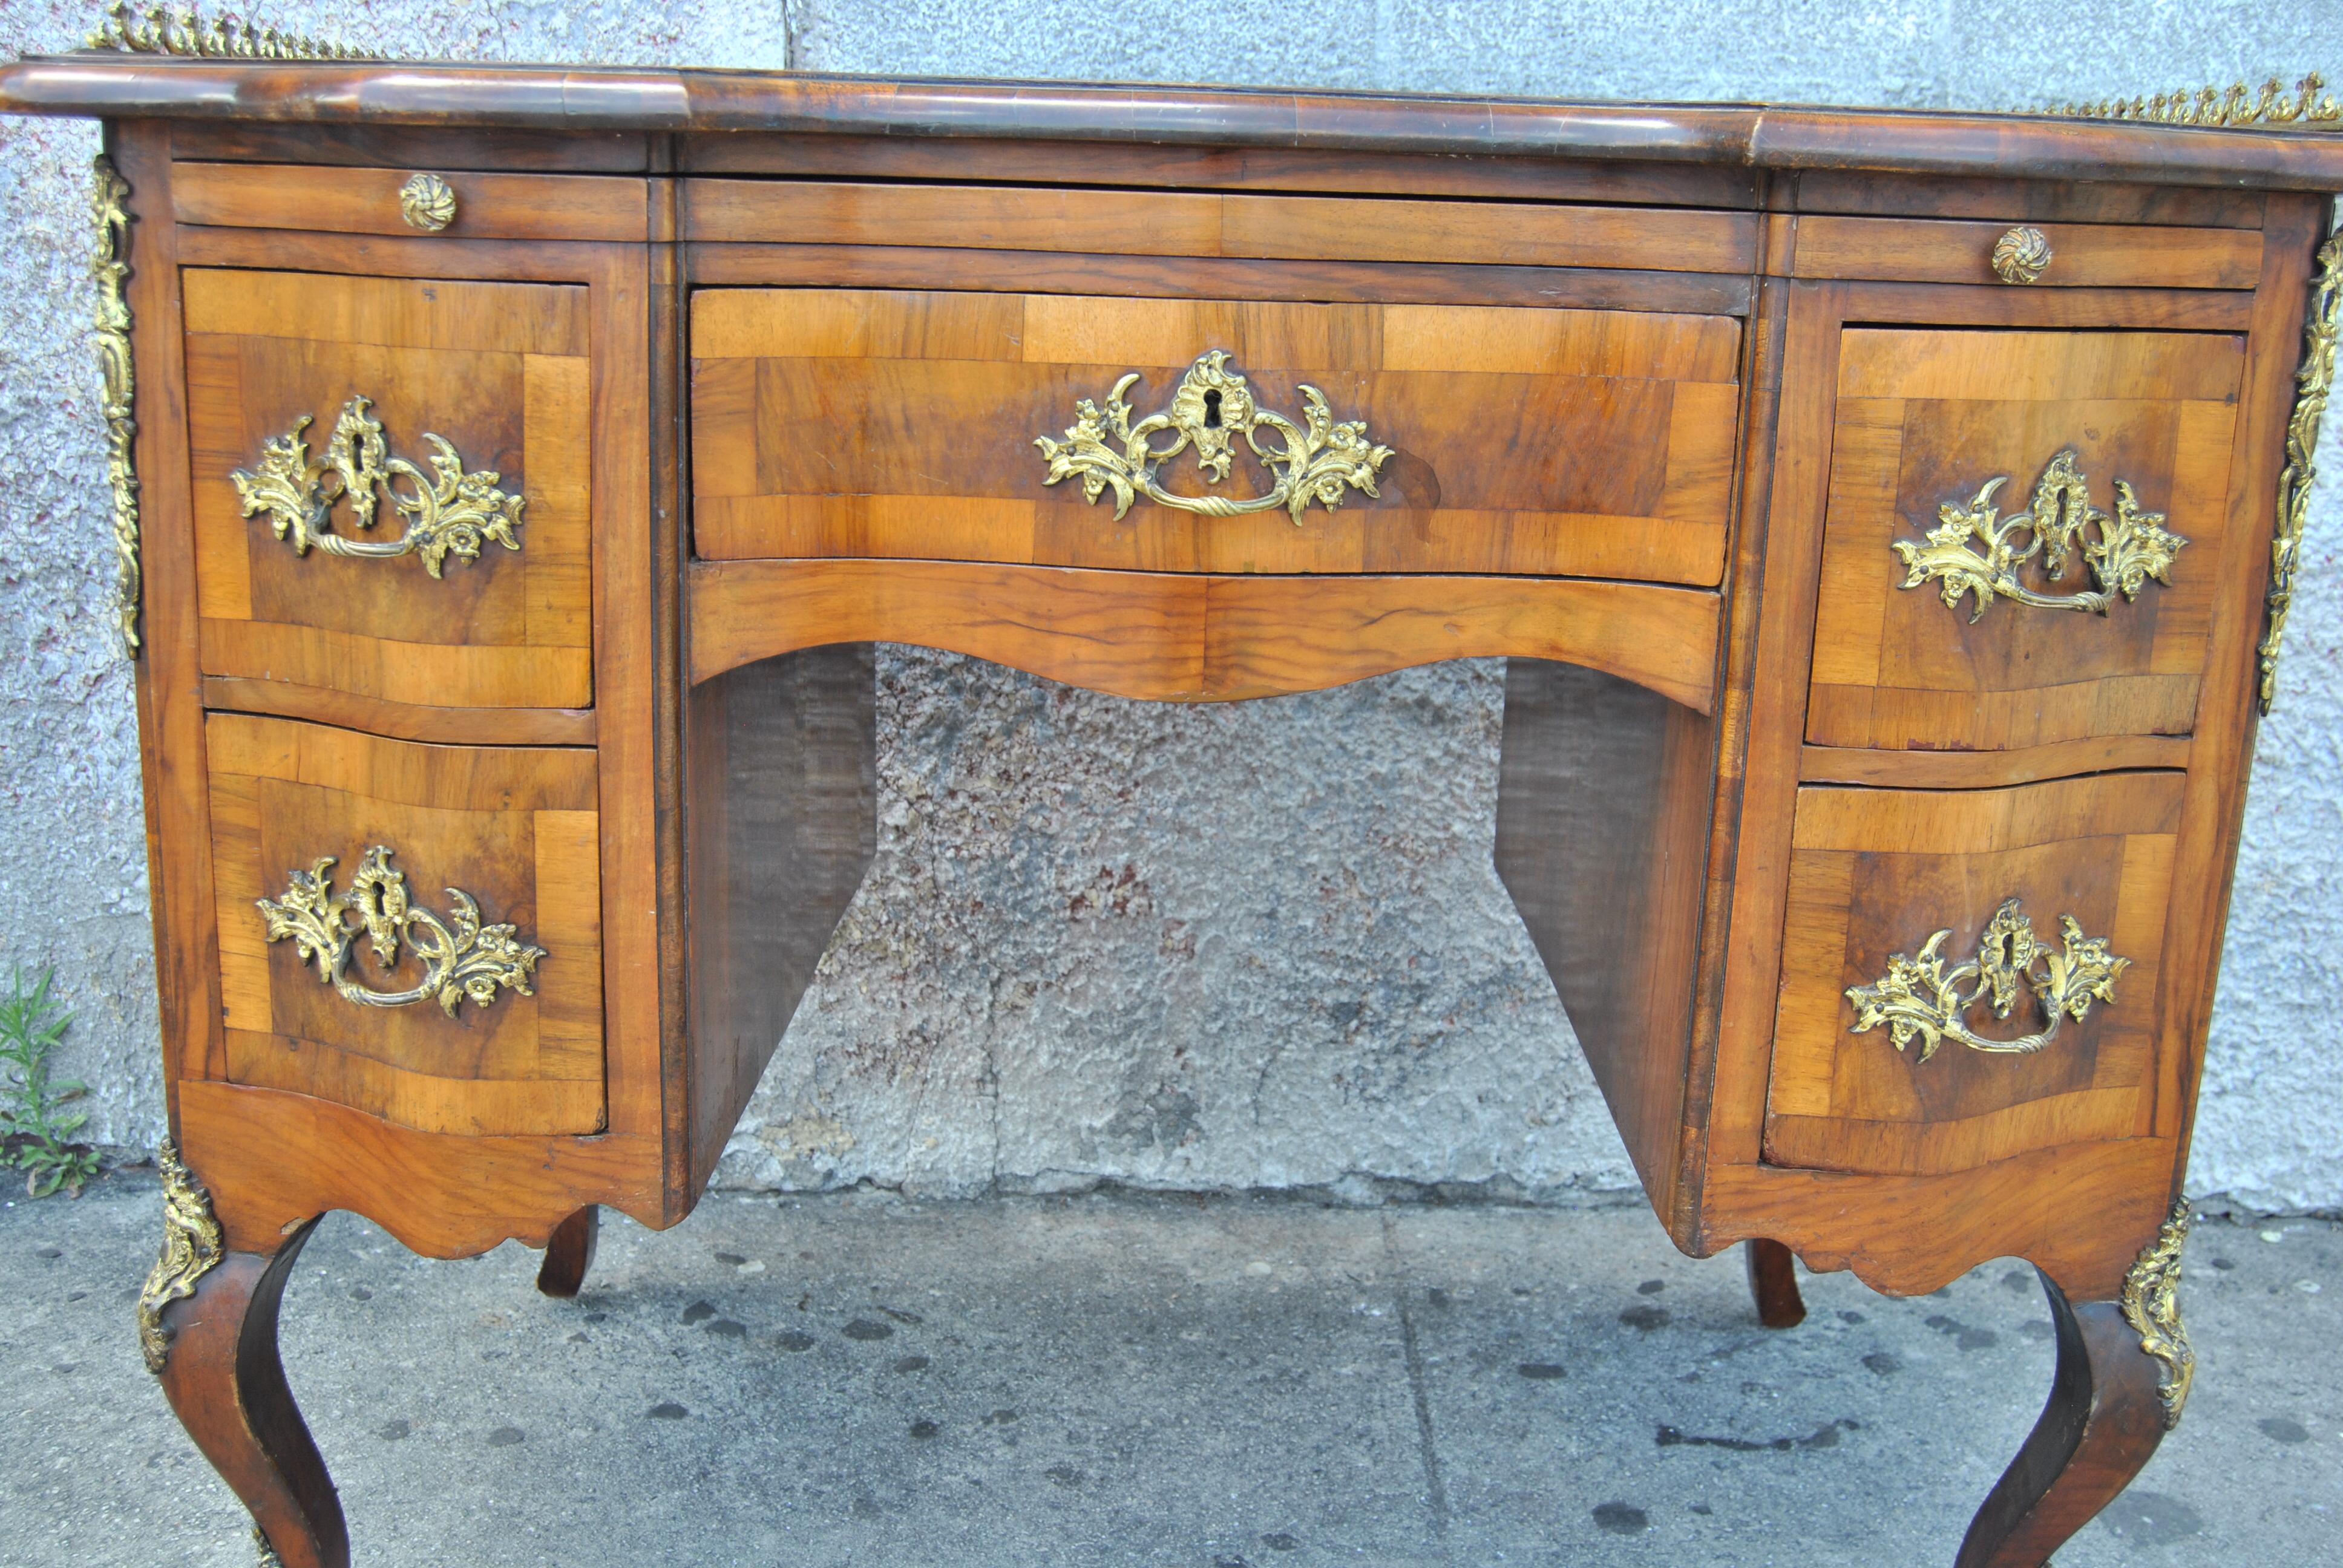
column 862, row 1379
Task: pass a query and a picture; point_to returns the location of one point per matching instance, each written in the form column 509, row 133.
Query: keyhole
column 1211, row 410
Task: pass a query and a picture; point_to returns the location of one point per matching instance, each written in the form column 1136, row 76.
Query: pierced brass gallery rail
column 447, row 511
column 1320, row 460
column 1920, row 998
column 2238, row 107
column 1975, row 550
column 465, row 964
column 180, row 30
column 2312, row 384
column 119, row 402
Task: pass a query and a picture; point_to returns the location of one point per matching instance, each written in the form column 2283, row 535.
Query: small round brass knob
column 427, row 202
column 2022, row 256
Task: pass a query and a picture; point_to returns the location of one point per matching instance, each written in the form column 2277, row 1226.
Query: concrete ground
column 867, row 1380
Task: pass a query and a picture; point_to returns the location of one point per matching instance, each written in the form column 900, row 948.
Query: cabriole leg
column 2124, row 1369
column 1774, row 1283
column 208, row 1323
column 569, row 1252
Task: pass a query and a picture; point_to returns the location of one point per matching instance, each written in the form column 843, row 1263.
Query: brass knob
column 427, row 202
column 2022, row 256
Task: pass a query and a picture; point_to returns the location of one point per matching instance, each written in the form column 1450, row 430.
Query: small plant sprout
column 34, row 1128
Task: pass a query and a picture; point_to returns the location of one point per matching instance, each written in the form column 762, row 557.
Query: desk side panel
column 1603, row 803
column 781, row 780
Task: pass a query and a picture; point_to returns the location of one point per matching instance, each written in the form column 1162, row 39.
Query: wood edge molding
column 1989, row 770
column 655, row 98
column 2023, row 1207
column 1200, row 638
column 441, row 1195
column 401, row 720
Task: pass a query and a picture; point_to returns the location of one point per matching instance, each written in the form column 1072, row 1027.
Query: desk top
column 2276, row 139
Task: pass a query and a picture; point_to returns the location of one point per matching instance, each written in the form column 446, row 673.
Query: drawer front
column 474, row 868
column 402, row 202
column 882, row 423
column 1950, row 447
column 1881, row 1063
column 459, row 413
column 2046, row 255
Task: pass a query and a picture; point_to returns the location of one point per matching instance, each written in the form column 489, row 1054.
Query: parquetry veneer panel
column 503, row 372
column 873, row 423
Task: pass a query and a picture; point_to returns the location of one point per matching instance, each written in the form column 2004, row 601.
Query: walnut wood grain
column 365, row 201
column 400, row 721
column 516, row 828
column 1945, row 1224
column 226, row 1384
column 1194, row 638
column 169, row 674
column 1988, row 769
column 781, row 785
column 501, row 371
column 655, row 98
column 721, row 264
column 1547, row 442
column 2104, row 1420
column 1774, row 1283
column 273, row 1159
column 2082, row 254
column 1189, row 223
column 1924, row 419
column 569, row 1253
column 1874, row 872
column 1603, row 803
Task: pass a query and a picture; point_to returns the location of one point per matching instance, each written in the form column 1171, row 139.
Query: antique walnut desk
column 1889, row 520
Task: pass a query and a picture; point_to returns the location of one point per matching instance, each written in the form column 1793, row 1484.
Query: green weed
column 34, row 1128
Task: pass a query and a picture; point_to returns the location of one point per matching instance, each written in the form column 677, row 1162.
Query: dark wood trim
column 117, row 86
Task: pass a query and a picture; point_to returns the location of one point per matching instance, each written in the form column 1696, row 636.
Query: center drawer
column 1232, row 436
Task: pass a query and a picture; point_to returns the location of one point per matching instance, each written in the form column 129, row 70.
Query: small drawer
column 458, row 412
column 2047, row 254
column 411, row 202
column 1887, row 1043
column 1961, row 463
column 984, row 427
column 473, row 870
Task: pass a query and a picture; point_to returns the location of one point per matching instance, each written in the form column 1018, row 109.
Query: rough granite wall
column 1257, row 945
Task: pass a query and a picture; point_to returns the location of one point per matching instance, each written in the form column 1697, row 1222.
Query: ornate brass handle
column 1920, row 998
column 1973, row 550
column 1319, row 460
column 447, row 511
column 467, row 963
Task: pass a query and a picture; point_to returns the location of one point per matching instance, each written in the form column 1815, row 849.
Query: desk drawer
column 475, row 869
column 1874, row 875
column 880, row 422
column 1948, row 445
column 458, row 413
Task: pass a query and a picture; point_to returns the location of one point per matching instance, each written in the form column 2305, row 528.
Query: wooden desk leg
column 1774, row 1282
column 569, row 1252
column 2109, row 1407
column 220, row 1372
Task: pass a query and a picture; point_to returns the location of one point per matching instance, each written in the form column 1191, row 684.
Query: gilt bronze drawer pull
column 1320, row 460
column 1920, row 998
column 447, row 511
column 2021, row 255
column 1975, row 550
column 467, row 963
column 427, row 202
